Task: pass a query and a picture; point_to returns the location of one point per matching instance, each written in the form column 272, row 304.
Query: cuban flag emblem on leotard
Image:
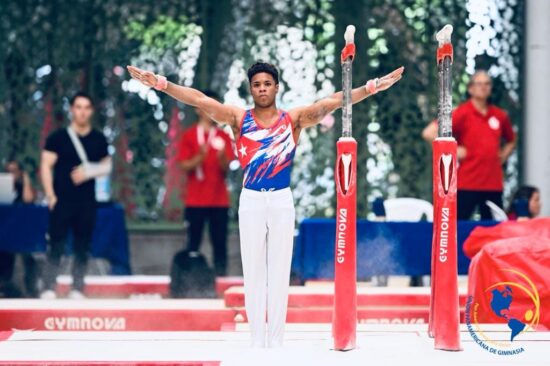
column 266, row 154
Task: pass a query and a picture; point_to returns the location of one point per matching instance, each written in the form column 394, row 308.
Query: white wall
column 536, row 139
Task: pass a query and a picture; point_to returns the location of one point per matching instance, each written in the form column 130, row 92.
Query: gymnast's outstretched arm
column 313, row 114
column 219, row 112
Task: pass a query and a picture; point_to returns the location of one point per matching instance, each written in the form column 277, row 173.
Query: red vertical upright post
column 444, row 312
column 444, row 320
column 344, row 320
column 345, row 271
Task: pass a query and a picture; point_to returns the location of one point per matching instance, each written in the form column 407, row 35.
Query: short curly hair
column 260, row 66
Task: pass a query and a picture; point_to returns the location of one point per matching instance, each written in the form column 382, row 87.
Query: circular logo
column 494, row 123
column 500, row 299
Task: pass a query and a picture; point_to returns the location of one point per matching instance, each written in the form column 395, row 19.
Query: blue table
column 23, row 230
column 383, row 248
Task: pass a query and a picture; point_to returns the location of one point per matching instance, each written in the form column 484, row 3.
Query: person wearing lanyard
column 72, row 158
column 204, row 154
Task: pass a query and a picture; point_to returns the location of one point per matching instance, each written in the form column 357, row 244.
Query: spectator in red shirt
column 479, row 128
column 205, row 153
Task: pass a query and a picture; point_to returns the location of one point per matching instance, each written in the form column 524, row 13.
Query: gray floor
column 151, row 253
column 307, row 344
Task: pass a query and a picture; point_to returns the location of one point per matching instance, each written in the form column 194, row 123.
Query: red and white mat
column 306, row 305
column 115, row 315
column 323, row 296
column 126, row 286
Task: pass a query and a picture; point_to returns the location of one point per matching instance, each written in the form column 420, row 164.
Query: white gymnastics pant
column 266, row 227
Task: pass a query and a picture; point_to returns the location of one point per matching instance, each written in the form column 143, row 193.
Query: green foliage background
column 86, row 43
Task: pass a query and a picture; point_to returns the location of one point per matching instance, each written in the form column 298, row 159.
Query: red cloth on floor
column 481, row 236
column 528, row 255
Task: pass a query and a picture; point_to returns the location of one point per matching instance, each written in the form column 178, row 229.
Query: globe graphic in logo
column 502, row 303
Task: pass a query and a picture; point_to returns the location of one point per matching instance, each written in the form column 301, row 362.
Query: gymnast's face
column 263, row 89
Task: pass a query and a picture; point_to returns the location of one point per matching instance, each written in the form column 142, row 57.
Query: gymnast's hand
column 147, row 78
column 387, row 81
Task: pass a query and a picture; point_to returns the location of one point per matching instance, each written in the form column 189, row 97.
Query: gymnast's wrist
column 372, row 86
column 162, row 83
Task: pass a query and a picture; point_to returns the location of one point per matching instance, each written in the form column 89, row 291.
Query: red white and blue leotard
column 266, row 153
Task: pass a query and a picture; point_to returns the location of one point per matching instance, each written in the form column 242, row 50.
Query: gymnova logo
column 500, row 297
column 342, row 225
column 392, row 321
column 85, row 323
